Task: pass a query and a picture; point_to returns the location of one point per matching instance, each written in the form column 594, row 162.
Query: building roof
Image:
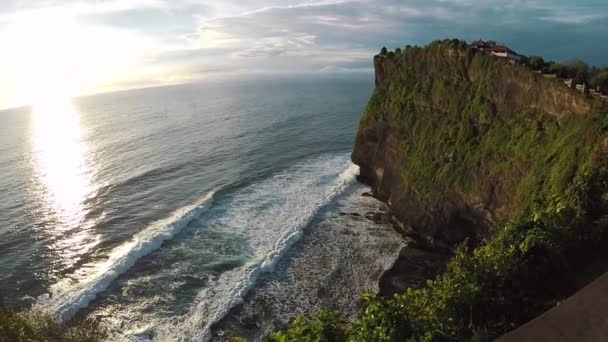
column 492, row 47
column 499, row 48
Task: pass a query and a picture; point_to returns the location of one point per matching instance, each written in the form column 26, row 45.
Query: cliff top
column 574, row 73
column 455, row 62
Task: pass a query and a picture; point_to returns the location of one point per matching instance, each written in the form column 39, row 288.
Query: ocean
column 190, row 212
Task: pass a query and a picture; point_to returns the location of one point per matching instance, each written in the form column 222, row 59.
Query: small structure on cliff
column 497, row 50
column 583, row 86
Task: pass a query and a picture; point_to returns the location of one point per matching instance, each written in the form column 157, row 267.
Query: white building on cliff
column 497, row 50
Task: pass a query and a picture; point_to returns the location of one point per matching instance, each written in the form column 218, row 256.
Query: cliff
column 456, row 141
column 464, row 146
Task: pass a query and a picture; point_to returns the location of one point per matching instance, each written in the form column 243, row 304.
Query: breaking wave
column 66, row 298
column 229, row 290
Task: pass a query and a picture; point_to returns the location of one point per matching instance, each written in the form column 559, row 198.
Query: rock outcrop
column 452, row 139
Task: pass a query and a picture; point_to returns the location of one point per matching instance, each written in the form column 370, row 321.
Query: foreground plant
column 35, row 326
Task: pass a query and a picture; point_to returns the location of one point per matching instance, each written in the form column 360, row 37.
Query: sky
column 62, row 48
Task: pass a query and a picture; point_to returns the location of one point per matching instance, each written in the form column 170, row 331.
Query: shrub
column 536, row 63
column 33, row 326
column 323, row 327
column 600, row 81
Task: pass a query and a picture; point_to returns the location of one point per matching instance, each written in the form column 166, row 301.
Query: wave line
column 66, row 298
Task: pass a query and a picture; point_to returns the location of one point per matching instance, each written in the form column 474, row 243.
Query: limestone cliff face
column 457, row 141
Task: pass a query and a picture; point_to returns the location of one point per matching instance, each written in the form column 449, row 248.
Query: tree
column 561, row 71
column 600, row 81
column 536, row 63
column 383, row 51
column 398, row 50
column 580, row 69
column 593, row 71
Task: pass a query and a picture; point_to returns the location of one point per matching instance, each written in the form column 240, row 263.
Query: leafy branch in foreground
column 34, row 326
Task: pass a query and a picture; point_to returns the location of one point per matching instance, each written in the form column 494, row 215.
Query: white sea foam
column 66, row 298
column 214, row 302
column 268, row 217
column 340, row 257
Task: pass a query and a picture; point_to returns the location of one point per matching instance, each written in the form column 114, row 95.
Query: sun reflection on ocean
column 64, row 178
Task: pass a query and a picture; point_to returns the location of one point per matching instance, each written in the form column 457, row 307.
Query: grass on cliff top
column 553, row 170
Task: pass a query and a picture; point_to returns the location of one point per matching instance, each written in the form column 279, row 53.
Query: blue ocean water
column 168, row 204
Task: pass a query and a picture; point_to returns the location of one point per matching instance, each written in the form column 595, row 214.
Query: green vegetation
column 599, row 81
column 488, row 291
column 537, row 63
column 580, row 70
column 38, row 327
column 324, row 326
column 460, row 136
column 575, row 69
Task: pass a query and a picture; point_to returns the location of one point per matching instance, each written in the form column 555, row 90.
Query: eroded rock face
column 475, row 103
column 379, row 69
column 450, row 220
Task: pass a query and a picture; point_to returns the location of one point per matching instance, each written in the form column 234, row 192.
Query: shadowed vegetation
column 38, row 327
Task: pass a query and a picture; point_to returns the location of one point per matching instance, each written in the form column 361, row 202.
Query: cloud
column 319, row 36
column 197, row 39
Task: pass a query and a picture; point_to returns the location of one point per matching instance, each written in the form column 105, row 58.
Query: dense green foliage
column 26, row 327
column 325, row 326
column 452, row 135
column 575, row 69
column 454, row 138
column 599, row 80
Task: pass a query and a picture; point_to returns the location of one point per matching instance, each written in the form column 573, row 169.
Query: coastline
column 418, row 260
column 343, row 253
column 355, row 247
column 411, row 269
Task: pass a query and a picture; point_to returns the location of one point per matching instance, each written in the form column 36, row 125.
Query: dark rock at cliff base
column 412, row 269
column 349, row 214
column 378, row 217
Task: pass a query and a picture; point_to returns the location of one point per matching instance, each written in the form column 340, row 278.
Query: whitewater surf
column 67, row 297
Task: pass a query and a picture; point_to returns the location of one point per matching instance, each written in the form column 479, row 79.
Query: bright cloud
column 53, row 47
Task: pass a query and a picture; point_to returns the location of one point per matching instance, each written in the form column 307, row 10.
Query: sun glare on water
column 49, row 56
column 64, row 175
column 49, row 72
column 51, row 64
column 60, row 156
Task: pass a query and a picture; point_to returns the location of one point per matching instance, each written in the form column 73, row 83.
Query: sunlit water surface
column 159, row 210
